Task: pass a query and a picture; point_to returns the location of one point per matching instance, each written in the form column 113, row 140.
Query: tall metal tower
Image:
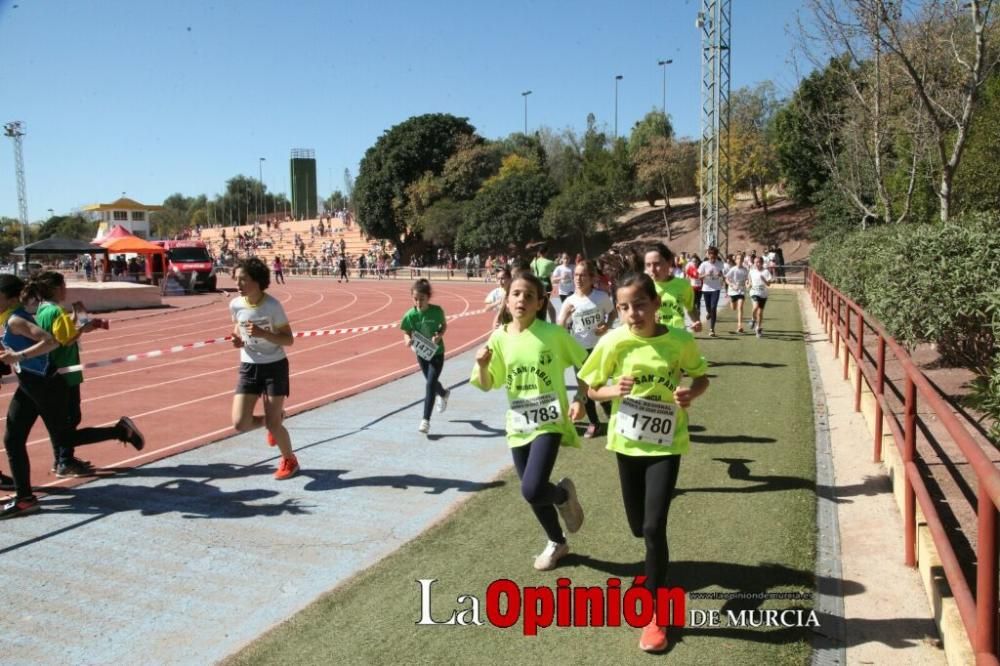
column 716, row 184
column 15, row 130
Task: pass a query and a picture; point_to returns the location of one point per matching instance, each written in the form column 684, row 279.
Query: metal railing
column 848, row 325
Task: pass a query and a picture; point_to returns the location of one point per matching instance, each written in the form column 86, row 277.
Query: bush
column 935, row 283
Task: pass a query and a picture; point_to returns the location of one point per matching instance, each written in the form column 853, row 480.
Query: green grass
column 743, row 520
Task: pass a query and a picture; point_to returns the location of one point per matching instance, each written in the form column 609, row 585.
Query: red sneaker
column 287, row 468
column 271, row 441
column 654, row 638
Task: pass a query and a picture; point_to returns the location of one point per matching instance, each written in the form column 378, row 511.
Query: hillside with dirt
column 786, row 224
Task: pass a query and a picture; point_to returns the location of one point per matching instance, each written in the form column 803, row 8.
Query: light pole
column 260, row 184
column 525, row 96
column 618, row 78
column 663, row 64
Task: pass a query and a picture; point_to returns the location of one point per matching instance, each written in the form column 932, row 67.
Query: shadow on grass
column 747, row 364
column 730, row 439
column 739, row 470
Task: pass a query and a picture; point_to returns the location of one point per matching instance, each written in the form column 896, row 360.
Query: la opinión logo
column 566, row 605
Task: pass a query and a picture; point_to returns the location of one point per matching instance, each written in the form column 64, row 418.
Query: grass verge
column 743, row 521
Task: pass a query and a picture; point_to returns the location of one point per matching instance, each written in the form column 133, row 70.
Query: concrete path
column 185, row 560
column 887, row 619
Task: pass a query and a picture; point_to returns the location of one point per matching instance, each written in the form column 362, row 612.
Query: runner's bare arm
column 612, row 391
column 43, row 345
column 483, row 357
column 685, row 395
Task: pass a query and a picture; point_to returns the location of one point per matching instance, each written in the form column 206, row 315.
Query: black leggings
column 534, row 462
column 711, row 299
column 432, row 371
column 35, row 396
column 647, row 487
column 81, row 436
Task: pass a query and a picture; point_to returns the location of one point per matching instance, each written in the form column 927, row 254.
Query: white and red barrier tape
column 204, row 343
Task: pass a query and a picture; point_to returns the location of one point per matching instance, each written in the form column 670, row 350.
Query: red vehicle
column 190, row 263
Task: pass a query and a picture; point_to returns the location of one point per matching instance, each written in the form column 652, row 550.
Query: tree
column 753, row 158
column 913, row 80
column 654, row 125
column 336, row 201
column 400, row 157
column 977, row 180
column 442, row 220
column 947, row 89
column 577, row 211
column 506, row 212
column 67, row 226
column 800, row 158
column 666, row 168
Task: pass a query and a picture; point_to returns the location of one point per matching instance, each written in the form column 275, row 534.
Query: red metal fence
column 850, row 327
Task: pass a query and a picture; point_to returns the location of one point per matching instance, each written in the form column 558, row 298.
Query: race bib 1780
column 643, row 420
column 526, row 415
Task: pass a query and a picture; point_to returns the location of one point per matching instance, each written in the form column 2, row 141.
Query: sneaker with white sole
column 549, row 557
column 443, row 402
column 425, row 426
column 570, row 510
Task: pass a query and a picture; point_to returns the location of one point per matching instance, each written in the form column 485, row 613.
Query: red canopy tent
column 118, row 232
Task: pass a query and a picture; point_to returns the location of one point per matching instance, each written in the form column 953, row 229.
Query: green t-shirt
column 52, row 318
column 676, row 298
column 543, row 268
column 530, row 365
column 426, row 322
column 656, row 364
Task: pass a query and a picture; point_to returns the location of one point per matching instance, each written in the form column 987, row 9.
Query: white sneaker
column 570, row 510
column 551, row 555
column 443, row 402
column 425, row 426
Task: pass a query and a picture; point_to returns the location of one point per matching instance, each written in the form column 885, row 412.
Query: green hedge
column 937, row 283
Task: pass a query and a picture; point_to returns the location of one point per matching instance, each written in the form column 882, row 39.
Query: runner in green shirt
column 639, row 368
column 67, row 331
column 543, row 267
column 676, row 294
column 423, row 329
column 527, row 357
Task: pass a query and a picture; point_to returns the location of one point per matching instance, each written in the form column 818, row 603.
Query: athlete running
column 261, row 331
column 528, row 357
column 639, row 366
column 423, row 329
column 588, row 314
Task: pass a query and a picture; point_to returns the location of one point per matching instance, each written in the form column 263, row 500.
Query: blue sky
column 152, row 98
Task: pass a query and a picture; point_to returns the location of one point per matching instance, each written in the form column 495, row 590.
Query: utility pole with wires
column 15, row 130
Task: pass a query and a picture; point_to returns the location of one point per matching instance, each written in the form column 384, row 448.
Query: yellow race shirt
column 530, row 365
column 647, row 422
column 676, row 298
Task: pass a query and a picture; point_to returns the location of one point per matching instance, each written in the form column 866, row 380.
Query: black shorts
column 736, row 297
column 269, row 378
column 760, row 300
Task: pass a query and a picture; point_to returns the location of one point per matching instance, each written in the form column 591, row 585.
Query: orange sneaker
column 271, row 441
column 654, row 638
column 287, row 468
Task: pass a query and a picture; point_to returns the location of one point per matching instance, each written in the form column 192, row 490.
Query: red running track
column 182, row 401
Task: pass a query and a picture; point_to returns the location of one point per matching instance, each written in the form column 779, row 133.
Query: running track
column 182, row 401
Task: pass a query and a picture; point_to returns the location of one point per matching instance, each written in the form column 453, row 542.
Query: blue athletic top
column 39, row 365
